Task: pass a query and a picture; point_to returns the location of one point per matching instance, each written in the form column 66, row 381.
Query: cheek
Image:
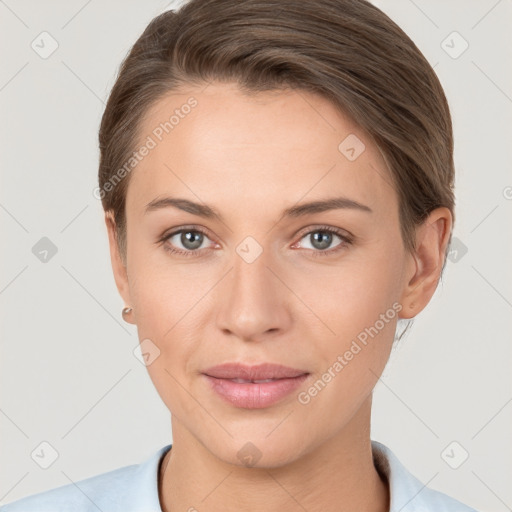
column 360, row 308
column 358, row 305
column 167, row 302
column 352, row 296
column 169, row 314
column 163, row 292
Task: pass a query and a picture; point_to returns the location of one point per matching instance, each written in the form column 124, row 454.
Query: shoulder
column 94, row 493
column 129, row 488
column 407, row 493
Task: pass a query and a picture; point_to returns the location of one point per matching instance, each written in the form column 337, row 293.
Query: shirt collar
column 407, row 493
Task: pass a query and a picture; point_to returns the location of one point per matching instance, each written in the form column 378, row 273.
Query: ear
column 426, row 264
column 118, row 266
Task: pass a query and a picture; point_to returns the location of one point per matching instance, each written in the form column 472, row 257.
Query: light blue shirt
column 135, row 489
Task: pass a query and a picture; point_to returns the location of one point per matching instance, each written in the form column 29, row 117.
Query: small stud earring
column 126, row 312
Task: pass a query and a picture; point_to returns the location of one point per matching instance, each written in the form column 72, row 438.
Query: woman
column 277, row 179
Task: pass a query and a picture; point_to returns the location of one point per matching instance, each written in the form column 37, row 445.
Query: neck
column 337, row 475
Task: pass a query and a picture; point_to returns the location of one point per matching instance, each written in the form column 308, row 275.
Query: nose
column 253, row 302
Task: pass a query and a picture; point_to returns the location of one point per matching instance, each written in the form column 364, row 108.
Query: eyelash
column 345, row 241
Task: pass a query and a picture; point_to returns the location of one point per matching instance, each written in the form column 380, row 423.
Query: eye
column 190, row 241
column 185, row 241
column 321, row 239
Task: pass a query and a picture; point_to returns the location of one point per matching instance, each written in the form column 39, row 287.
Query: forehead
column 219, row 144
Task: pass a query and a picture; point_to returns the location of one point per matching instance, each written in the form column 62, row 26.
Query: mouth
column 244, row 381
column 254, row 387
column 255, row 373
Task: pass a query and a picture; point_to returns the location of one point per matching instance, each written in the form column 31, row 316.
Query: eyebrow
column 203, row 210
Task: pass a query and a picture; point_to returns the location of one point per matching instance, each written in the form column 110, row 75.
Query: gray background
column 68, row 373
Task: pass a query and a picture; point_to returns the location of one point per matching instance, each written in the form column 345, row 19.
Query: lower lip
column 254, row 395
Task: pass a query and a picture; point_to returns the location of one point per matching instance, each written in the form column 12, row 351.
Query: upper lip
column 257, row 372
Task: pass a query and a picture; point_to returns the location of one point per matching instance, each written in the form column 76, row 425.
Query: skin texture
column 251, row 157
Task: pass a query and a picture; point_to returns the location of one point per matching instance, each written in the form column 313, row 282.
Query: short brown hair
column 347, row 51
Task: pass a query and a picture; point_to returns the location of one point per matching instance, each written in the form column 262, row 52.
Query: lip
column 256, row 395
column 256, row 372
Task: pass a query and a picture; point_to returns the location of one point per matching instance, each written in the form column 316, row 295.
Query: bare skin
column 296, row 304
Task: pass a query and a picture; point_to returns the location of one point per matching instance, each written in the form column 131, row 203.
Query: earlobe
column 118, row 266
column 426, row 264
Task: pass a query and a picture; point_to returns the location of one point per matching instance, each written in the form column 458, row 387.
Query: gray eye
column 189, row 239
column 320, row 240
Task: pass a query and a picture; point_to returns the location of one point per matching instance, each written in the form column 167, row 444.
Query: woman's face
column 251, row 283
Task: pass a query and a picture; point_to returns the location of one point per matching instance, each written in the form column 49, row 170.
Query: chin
column 258, row 449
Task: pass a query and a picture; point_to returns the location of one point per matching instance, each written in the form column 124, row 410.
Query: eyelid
column 175, row 231
column 346, row 238
column 342, row 233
